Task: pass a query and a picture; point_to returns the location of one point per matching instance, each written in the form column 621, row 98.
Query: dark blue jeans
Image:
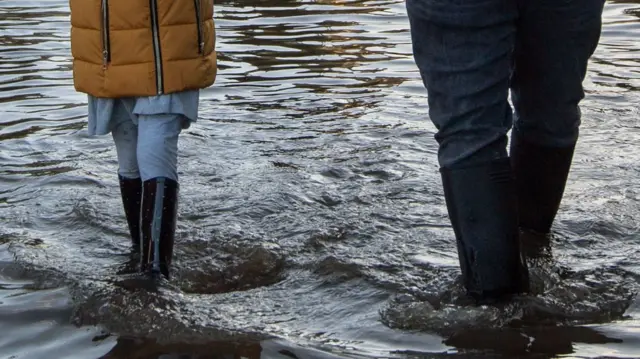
column 472, row 52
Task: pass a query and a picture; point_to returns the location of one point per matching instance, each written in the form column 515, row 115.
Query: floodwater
column 312, row 222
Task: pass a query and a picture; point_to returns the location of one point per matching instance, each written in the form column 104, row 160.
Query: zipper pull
column 105, row 59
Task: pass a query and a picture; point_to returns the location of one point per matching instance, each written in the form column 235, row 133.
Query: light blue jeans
column 145, row 130
column 470, row 53
column 148, row 147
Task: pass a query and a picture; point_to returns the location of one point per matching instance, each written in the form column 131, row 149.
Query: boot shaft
column 131, row 193
column 541, row 174
column 158, row 225
column 482, row 208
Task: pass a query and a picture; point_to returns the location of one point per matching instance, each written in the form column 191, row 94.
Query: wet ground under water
column 311, row 223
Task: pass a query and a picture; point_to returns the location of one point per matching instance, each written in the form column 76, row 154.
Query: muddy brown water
column 312, row 222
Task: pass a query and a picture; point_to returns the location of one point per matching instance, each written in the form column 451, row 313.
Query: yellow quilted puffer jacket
column 126, row 48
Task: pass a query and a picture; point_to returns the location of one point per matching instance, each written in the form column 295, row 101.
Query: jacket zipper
column 155, row 28
column 106, row 45
column 197, row 5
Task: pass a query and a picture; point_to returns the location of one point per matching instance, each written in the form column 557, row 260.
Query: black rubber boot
column 159, row 212
column 131, row 192
column 541, row 174
column 482, row 208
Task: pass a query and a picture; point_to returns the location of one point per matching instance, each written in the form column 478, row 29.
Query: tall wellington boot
column 541, row 174
column 131, row 192
column 159, row 212
column 482, row 208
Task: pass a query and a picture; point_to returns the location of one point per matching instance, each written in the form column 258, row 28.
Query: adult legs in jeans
column 554, row 43
column 464, row 50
